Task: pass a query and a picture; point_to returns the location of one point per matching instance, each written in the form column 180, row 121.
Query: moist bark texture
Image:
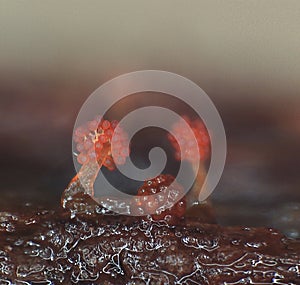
column 98, row 247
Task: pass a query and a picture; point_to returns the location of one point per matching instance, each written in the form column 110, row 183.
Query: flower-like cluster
column 185, row 142
column 164, row 204
column 92, row 138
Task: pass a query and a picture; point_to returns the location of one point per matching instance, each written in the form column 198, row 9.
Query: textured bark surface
column 96, row 247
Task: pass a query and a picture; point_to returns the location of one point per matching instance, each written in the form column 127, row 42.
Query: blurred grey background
column 244, row 54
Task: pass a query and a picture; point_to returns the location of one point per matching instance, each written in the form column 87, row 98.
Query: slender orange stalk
column 83, row 181
column 186, row 150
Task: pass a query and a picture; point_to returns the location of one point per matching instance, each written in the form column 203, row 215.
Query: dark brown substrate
column 96, row 247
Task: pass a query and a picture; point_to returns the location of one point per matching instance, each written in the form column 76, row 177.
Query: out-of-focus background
column 244, row 54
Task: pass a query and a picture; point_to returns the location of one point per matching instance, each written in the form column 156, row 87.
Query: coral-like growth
column 185, row 141
column 165, row 202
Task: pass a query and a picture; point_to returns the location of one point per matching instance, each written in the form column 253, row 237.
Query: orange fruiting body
column 184, row 147
column 91, row 138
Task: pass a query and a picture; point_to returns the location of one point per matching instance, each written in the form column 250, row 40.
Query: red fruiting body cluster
column 91, row 138
column 186, row 143
column 167, row 197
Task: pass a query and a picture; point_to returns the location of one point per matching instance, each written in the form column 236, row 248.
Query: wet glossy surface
column 97, row 247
